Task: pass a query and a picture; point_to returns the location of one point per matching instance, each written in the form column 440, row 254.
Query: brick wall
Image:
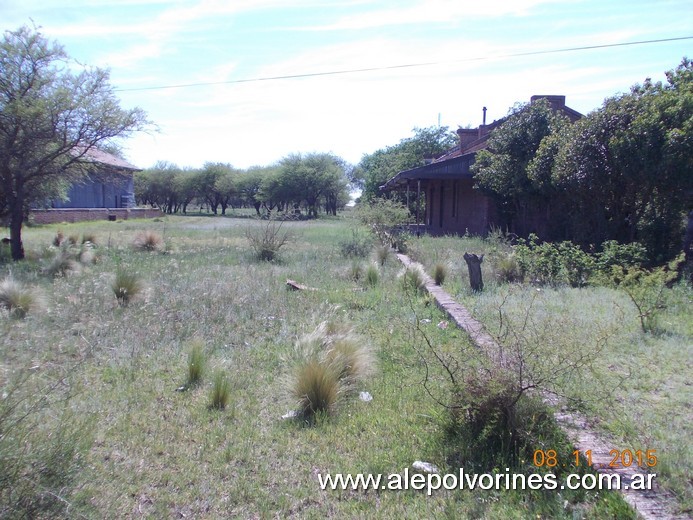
column 53, row 216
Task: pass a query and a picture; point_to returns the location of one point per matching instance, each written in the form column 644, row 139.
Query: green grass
column 156, row 452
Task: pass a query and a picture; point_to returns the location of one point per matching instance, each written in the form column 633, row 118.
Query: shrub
column 126, row 286
column 440, row 272
column 384, row 217
column 221, row 392
column 647, row 291
column 17, row 299
column 266, row 240
column 148, row 241
column 621, row 255
column 196, row 363
column 355, row 271
column 372, row 275
column 547, row 263
column 358, row 246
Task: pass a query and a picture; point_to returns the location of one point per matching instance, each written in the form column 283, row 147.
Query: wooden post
column 474, row 265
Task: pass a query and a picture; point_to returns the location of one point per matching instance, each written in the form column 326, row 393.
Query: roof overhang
column 455, row 168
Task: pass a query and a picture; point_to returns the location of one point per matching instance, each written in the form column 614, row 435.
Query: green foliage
column 267, row 239
column 126, row 286
column 548, row 263
column 316, row 388
column 647, row 292
column 358, row 246
column 384, row 217
column 507, row 268
column 17, row 299
column 376, row 168
column 620, row 255
column 220, row 394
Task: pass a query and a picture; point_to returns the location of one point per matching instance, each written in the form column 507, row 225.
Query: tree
column 50, row 120
column 502, row 171
column 375, row 169
column 628, row 167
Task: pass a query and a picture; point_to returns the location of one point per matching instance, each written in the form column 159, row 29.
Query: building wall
column 455, row 207
column 100, row 193
column 54, row 216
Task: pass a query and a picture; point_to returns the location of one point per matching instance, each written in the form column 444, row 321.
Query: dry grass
column 17, row 299
column 126, row 286
column 148, row 241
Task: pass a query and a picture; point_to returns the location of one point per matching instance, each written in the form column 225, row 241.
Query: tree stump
column 474, row 266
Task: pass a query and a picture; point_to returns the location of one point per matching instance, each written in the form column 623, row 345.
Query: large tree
column 502, row 171
column 375, row 169
column 628, row 167
column 51, row 118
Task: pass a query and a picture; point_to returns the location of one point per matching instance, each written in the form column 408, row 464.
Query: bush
column 266, row 240
column 17, row 299
column 221, row 392
column 552, row 264
column 126, row 286
column 507, row 269
column 647, row 291
column 384, row 217
column 148, row 241
column 358, row 246
column 621, row 255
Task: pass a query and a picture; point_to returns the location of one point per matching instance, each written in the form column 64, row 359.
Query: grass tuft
column 196, row 363
column 382, row 254
column 440, row 272
column 267, row 240
column 221, row 392
column 372, row 275
column 17, row 299
column 126, row 286
column 413, row 279
column 148, row 241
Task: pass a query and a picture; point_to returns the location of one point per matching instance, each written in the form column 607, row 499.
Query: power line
column 406, row 66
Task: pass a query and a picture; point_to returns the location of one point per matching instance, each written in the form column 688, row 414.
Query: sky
column 212, row 75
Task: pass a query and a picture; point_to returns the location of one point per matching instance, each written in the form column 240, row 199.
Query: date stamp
column 619, row 459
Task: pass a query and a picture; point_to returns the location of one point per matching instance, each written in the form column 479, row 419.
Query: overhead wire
column 405, row 66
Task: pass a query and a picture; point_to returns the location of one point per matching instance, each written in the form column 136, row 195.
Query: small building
column 109, row 184
column 452, row 205
column 107, row 192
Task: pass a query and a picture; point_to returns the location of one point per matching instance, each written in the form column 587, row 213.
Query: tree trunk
column 16, row 221
column 474, row 266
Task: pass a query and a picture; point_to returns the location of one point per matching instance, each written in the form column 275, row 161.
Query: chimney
column 484, row 119
column 467, row 136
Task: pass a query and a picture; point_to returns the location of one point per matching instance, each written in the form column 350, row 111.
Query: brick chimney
column 467, row 136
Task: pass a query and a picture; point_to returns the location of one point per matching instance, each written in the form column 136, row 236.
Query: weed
column 358, row 246
column 506, row 269
column 266, row 240
column 221, row 392
column 355, row 271
column 316, row 388
column 126, row 286
column 148, row 241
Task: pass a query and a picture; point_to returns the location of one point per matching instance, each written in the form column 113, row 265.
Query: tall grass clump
column 382, row 254
column 328, row 364
column 196, row 363
column 266, row 240
column 221, row 392
column 126, row 286
column 372, row 275
column 148, row 241
column 63, row 262
column 17, row 299
column 413, row 279
column 440, row 272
